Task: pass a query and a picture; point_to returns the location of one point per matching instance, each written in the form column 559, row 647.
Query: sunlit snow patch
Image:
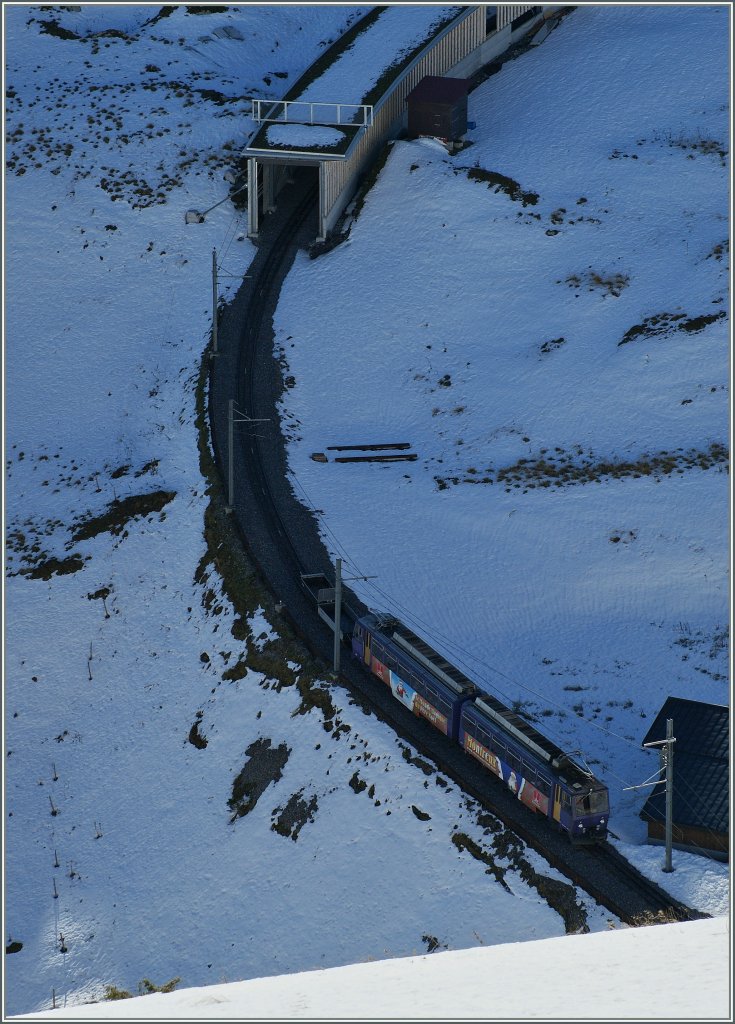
column 261, row 629
column 304, row 136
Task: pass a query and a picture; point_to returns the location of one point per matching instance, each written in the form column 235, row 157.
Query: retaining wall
column 459, row 50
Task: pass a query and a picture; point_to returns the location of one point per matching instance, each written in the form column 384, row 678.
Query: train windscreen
column 591, row 803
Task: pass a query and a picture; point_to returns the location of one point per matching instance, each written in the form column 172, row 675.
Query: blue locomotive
column 537, row 771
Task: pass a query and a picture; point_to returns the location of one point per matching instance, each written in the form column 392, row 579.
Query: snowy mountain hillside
column 543, row 315
column 185, row 796
column 688, row 962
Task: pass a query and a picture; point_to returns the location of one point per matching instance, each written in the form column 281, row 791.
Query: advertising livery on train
column 537, row 771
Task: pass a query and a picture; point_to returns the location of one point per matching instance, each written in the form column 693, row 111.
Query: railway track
column 248, row 395
column 282, row 540
column 659, row 904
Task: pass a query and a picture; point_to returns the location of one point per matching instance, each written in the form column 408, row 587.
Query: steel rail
column 600, row 871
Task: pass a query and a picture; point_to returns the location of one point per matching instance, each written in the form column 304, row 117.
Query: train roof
column 562, row 763
column 490, row 706
column 431, row 659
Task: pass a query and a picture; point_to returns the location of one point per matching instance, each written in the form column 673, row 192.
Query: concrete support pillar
column 253, row 225
column 269, row 188
column 284, row 176
column 320, row 203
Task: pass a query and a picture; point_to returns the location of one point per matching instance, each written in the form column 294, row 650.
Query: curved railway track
column 659, row 904
column 247, row 393
column 282, row 540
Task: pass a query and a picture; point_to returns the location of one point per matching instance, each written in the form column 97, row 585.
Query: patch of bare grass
column 719, row 251
column 502, row 183
column 607, row 283
column 54, row 567
column 667, row 323
column 296, row 813
column 120, row 512
column 564, row 469
column 264, row 766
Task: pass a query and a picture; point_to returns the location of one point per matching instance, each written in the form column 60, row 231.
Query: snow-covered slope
column 676, row 972
column 544, row 317
column 123, row 656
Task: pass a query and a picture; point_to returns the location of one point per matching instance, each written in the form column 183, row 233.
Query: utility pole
column 231, row 421
column 215, row 298
column 338, row 608
column 669, row 756
column 667, row 766
column 230, row 443
column 337, row 612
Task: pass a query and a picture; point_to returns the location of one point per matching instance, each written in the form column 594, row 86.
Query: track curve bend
column 282, row 540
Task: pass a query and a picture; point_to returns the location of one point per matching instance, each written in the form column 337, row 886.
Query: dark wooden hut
column 701, row 801
column 438, row 107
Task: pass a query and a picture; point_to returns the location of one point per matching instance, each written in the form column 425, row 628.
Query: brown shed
column 438, row 107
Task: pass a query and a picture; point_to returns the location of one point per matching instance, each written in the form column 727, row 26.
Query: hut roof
column 701, row 764
column 435, row 89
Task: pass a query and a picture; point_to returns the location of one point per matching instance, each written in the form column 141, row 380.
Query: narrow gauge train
column 538, row 772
